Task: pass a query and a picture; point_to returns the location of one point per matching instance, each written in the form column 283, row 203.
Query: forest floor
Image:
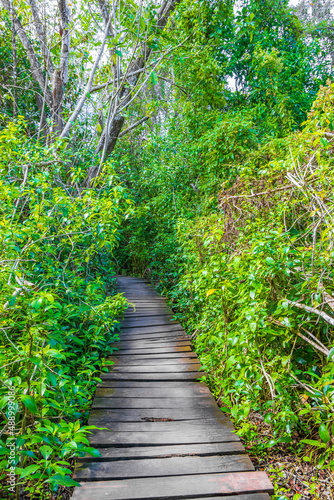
column 292, row 477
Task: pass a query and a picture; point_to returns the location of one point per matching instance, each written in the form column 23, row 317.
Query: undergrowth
column 250, row 277
column 58, row 307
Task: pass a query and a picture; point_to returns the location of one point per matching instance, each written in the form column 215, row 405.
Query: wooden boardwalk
column 167, row 439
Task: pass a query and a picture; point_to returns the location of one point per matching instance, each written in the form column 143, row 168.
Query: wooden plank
column 216, row 424
column 195, row 386
column 176, row 466
column 170, row 355
column 160, row 338
column 205, row 401
column 152, row 329
column 110, row 438
column 249, row 496
column 152, row 362
column 174, row 450
column 139, row 292
column 145, row 377
column 144, row 299
column 177, row 368
column 149, row 313
column 147, row 414
column 150, row 317
column 153, row 342
column 177, row 487
column 177, row 334
column 148, row 344
column 154, row 350
column 147, row 322
column 106, row 392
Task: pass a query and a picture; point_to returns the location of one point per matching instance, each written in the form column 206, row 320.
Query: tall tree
column 123, row 46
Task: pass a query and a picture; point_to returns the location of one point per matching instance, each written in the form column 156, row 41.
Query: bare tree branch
column 135, row 70
column 88, row 87
column 41, row 35
column 36, row 69
column 60, row 76
column 312, row 310
column 139, row 122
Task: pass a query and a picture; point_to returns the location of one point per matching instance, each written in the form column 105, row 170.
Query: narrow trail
column 168, row 438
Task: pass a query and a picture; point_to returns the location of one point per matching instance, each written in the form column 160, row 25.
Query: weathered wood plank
column 152, row 329
column 110, row 438
column 160, row 321
column 250, row 496
column 176, row 466
column 155, row 340
column 145, row 377
column 205, row 401
column 148, row 344
column 177, row 487
column 128, row 343
column 149, row 313
column 170, row 355
column 147, row 414
column 152, row 392
column 177, row 368
column 152, row 362
column 195, row 386
column 177, row 334
column 174, row 450
column 219, row 424
column 154, row 350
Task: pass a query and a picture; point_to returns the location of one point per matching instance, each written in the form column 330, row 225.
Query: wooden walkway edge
column 165, row 436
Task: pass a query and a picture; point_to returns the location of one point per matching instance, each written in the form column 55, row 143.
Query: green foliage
column 276, row 70
column 58, row 318
column 245, row 270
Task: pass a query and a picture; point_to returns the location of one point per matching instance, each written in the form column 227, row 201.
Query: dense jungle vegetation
column 189, row 142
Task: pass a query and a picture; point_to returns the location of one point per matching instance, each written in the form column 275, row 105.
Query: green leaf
column 3, row 402
column 253, row 326
column 55, row 354
column 313, row 442
column 52, row 378
column 46, row 451
column 270, row 261
column 29, row 402
column 31, row 469
column 119, row 53
column 92, row 451
column 62, row 481
column 331, row 353
column 154, row 78
column 271, row 443
column 267, row 418
column 323, row 433
column 99, row 128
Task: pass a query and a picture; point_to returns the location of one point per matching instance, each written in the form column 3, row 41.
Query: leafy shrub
column 57, row 322
column 252, row 281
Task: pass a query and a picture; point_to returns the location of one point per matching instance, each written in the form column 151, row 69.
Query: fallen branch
column 312, row 310
column 282, row 188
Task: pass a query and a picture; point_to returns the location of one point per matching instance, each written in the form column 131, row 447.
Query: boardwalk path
column 168, row 438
